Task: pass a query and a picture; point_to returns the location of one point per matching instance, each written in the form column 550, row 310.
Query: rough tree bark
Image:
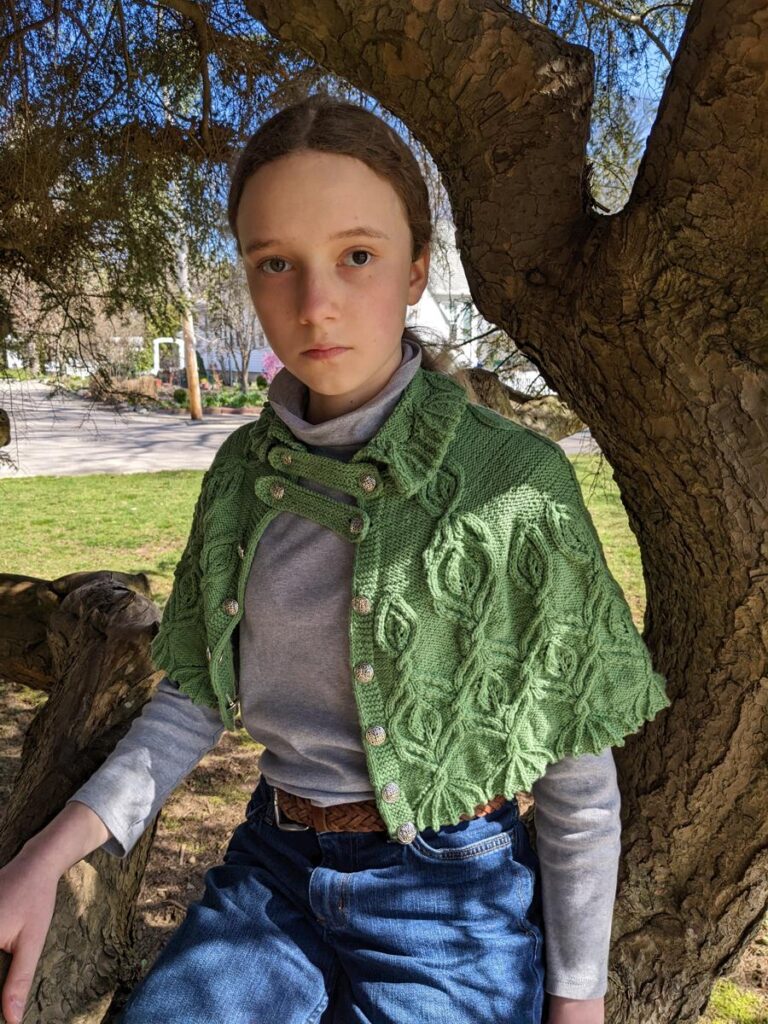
column 651, row 325
column 87, row 637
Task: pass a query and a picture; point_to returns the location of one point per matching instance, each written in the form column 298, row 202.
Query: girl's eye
column 365, row 252
column 272, row 259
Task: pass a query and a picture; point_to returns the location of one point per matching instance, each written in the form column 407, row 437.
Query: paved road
column 65, row 435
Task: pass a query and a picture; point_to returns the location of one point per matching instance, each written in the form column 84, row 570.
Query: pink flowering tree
column 271, row 366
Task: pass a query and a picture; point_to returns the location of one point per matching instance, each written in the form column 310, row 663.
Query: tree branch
column 707, row 155
column 205, row 42
column 8, row 40
column 635, row 20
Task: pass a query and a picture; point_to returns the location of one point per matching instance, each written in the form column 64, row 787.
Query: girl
column 404, row 597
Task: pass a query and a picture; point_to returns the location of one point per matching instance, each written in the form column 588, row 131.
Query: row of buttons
column 231, row 607
column 377, row 734
column 356, row 523
column 364, row 673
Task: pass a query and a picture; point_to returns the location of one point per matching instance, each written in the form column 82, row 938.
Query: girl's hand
column 27, row 897
column 563, row 1010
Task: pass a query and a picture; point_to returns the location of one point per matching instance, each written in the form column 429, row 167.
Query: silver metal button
column 390, row 792
column 230, row 606
column 277, row 490
column 363, row 671
column 376, row 735
column 368, row 483
column 286, row 458
column 240, row 551
column 361, row 604
column 406, row 832
column 355, row 524
column 207, row 653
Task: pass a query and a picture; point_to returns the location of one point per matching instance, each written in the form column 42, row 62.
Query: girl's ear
column 419, row 276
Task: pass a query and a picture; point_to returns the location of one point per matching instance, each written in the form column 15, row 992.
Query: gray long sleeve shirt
column 293, row 675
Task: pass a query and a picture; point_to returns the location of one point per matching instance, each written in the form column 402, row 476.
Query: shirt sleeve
column 578, row 843
column 163, row 744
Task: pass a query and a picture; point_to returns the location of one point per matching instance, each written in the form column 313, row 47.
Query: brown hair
column 321, row 123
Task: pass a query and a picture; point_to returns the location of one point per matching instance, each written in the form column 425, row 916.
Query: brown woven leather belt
column 355, row 816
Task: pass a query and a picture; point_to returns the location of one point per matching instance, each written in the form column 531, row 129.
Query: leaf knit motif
column 497, row 640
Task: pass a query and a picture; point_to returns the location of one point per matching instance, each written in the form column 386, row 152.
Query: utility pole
column 188, row 332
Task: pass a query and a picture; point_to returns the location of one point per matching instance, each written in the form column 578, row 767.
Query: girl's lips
column 324, row 353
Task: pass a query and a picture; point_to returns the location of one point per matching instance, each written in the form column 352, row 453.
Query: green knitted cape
column 487, row 636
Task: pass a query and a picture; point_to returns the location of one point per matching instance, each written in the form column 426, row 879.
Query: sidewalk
column 71, row 436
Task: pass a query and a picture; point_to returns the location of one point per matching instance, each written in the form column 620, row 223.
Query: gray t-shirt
column 296, row 701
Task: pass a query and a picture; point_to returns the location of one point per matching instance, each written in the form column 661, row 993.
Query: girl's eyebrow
column 361, row 231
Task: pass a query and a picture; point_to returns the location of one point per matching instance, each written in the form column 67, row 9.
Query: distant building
column 445, row 308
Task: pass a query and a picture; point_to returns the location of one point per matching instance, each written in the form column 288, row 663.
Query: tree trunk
column 33, row 358
column 89, row 646
column 650, row 324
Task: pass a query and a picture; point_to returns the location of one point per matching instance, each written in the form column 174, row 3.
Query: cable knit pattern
column 497, row 641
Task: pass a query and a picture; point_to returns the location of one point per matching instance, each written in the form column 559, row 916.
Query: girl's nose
column 317, row 298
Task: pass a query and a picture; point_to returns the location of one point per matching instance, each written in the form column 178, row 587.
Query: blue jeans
column 314, row 927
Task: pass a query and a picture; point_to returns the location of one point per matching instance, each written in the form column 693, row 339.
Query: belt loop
column 319, row 821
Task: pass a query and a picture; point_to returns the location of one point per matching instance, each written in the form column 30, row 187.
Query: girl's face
column 327, row 251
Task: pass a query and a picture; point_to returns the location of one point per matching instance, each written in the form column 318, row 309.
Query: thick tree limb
column 26, row 607
column 98, row 636
column 707, row 156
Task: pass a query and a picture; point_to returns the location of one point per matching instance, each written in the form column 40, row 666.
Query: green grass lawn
column 139, row 523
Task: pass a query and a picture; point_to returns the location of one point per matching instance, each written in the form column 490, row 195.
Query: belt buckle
column 286, row 826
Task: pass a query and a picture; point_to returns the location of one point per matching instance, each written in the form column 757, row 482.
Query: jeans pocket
column 469, row 839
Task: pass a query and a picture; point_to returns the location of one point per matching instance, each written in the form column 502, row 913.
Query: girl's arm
column 164, row 743
column 111, row 810
column 28, row 885
column 75, row 832
column 575, row 1011
column 578, row 843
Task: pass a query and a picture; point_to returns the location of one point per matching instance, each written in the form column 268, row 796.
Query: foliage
column 119, row 122
column 234, row 398
column 18, row 374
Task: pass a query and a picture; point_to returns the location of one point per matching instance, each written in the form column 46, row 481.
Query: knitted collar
column 412, row 441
